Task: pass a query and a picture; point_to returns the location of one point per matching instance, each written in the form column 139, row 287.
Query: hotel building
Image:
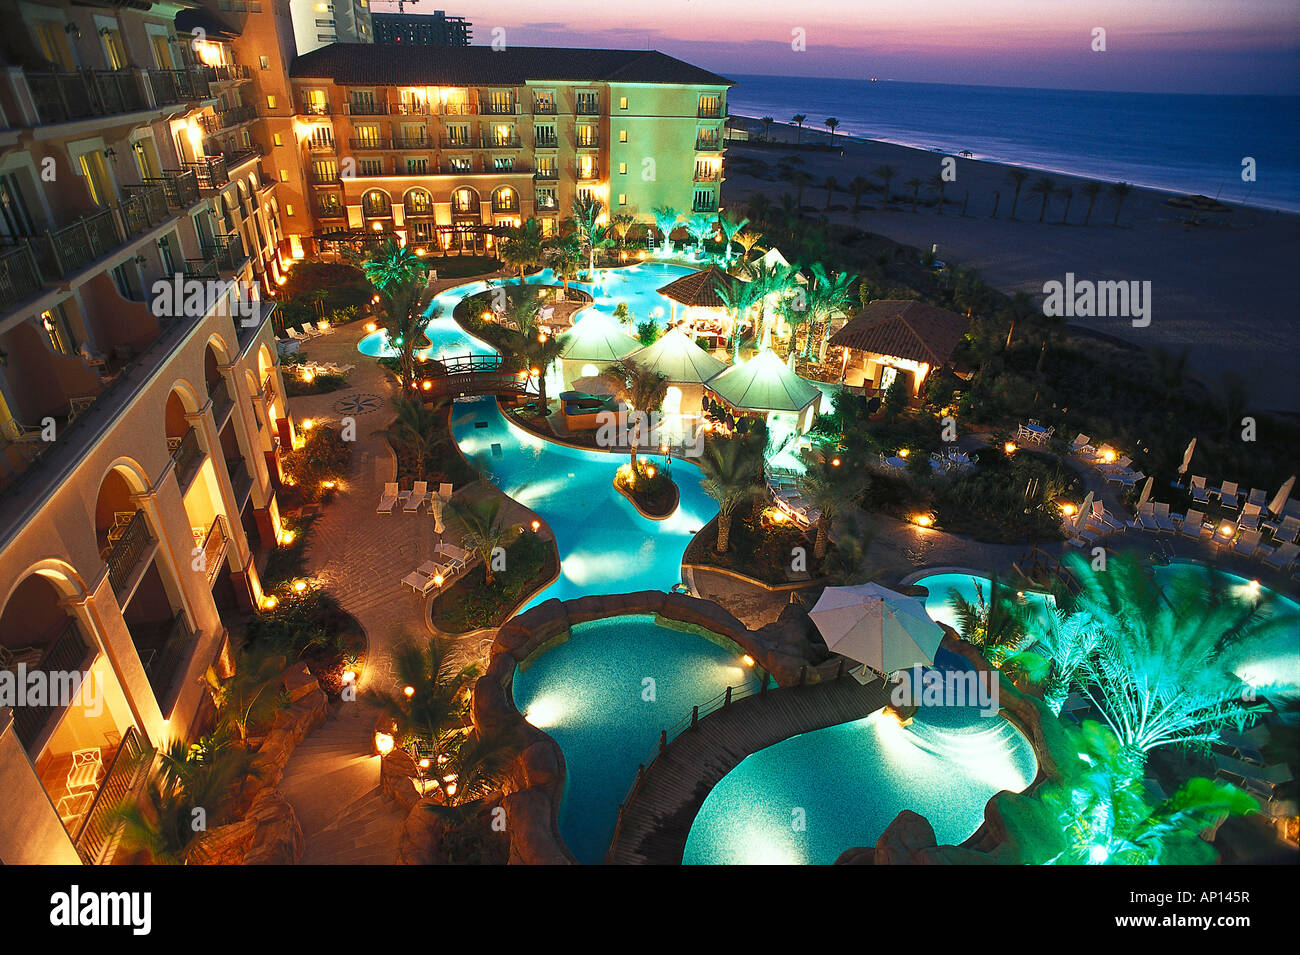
column 427, row 29
column 138, row 443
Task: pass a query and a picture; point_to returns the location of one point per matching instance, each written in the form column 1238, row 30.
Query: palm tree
column 827, row 298
column 521, row 308
column 586, row 219
column 1044, row 187
column 474, row 765
column 773, row 282
column 1120, row 191
column 540, row 351
column 829, row 185
column 440, row 683
column 799, row 179
column 483, row 529
column 767, row 122
column 251, row 696
column 886, row 173
column 1068, row 193
column 564, row 256
column 857, row 186
column 621, row 224
column 828, row 484
column 798, row 120
column 915, row 185
column 699, row 227
column 418, row 428
column 739, row 298
column 397, row 274
column 521, row 247
column 730, row 226
column 1091, row 190
column 645, row 390
column 747, row 241
column 995, row 625
column 831, row 124
column 728, row 466
column 665, row 221
column 939, row 185
column 1016, row 177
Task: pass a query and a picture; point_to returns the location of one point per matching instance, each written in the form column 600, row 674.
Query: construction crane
column 401, row 5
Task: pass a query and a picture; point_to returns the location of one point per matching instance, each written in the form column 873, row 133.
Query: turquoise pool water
column 447, row 337
column 593, row 696
column 605, row 545
column 807, row 799
column 938, row 606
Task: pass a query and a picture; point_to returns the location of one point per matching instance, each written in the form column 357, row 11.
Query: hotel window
column 165, row 255
column 544, row 101
column 544, row 137
column 710, row 105
column 546, row 199
column 423, row 231
column 15, row 220
column 371, row 167
column 622, row 169
column 503, row 135
column 622, row 198
column 366, row 135
column 499, row 102
column 288, row 209
column 264, row 62
column 127, row 279
column 622, row 135
column 622, row 102
column 113, row 50
column 587, row 196
column 56, row 328
column 458, row 135
column 96, row 174
column 417, row 167
column 586, row 135
column 706, row 139
column 548, row 227
column 276, row 140
column 462, row 201
column 704, row 201
column 270, row 102
column 329, row 204
column 546, row 167
column 588, row 103
column 503, row 163
column 375, row 203
column 460, row 164
column 325, row 170
column 326, row 38
column 284, row 175
column 419, row 202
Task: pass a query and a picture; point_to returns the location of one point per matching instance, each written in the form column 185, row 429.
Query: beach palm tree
column 397, row 274
column 483, row 529
column 994, row 624
column 739, row 298
column 997, row 201
column 940, row 186
column 540, row 351
column 1017, row 177
column 1120, row 191
column 521, row 247
column 1044, row 187
column 564, row 256
column 767, row 122
column 440, row 681
column 887, row 174
column 731, row 227
column 748, row 242
column 830, row 186
column 832, row 123
column 827, row 298
column 799, row 179
column 858, row 185
column 798, row 120
column 773, row 282
column 1091, row 190
column 728, row 465
column 1068, row 193
column 699, row 227
column 828, row 484
column 665, row 221
column 418, row 428
column 251, row 696
column 473, row 765
column 645, row 390
column 915, row 185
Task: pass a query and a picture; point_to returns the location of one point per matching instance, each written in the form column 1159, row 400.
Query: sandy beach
column 1219, row 288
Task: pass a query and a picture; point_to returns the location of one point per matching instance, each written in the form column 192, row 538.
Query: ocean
column 1188, row 143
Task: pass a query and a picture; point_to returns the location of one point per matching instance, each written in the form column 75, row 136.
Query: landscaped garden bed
column 653, row 491
column 470, row 603
column 759, row 547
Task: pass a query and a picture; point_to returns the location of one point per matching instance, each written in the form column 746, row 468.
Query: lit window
column 288, row 208
column 270, row 102
column 284, row 175
column 622, row 102
column 622, row 198
column 264, row 62
column 622, row 135
column 277, row 140
column 622, row 169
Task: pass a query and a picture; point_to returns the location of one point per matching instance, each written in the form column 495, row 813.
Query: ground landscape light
column 383, row 743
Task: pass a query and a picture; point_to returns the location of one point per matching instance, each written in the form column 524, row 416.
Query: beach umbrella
column 1146, row 492
column 881, row 628
column 1085, row 511
column 1187, row 458
column 1278, row 504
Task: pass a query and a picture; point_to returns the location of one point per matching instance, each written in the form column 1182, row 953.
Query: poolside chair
column 1194, row 526
column 1164, row 522
column 1245, row 746
column 1283, row 557
column 416, row 581
column 456, row 557
column 311, row 329
column 1228, row 491
column 1103, row 518
column 296, row 335
column 1250, row 516
column 444, row 491
column 419, row 491
column 387, row 499
column 1131, row 478
column 1248, row 543
column 1258, row 497
column 1080, row 443
column 1145, row 517
column 1288, row 530
column 431, row 568
column 1200, row 493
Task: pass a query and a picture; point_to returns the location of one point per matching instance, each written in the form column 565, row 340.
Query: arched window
column 418, row 202
column 464, row 201
column 376, row 203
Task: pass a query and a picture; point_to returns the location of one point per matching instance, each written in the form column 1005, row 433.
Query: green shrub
column 324, row 456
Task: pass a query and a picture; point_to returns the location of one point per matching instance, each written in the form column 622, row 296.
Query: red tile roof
column 700, row 289
column 904, row 329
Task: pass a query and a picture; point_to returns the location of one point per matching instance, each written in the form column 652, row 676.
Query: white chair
column 1288, row 530
column 1283, row 557
column 1194, row 526
column 1258, row 497
column 1250, row 516
column 1145, row 517
column 1248, row 543
column 87, row 764
column 1163, row 521
column 387, row 499
column 1131, row 478
column 419, row 491
column 1080, row 443
column 445, row 491
column 1200, row 493
column 456, row 557
column 1228, row 493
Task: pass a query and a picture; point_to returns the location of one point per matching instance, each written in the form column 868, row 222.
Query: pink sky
column 1203, row 46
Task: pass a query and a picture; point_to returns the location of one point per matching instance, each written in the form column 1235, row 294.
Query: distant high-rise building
column 320, row 22
column 435, row 29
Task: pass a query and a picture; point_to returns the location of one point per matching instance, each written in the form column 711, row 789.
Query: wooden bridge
column 461, row 376
column 656, row 818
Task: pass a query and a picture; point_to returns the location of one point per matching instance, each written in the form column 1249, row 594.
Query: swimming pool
column 593, row 696
column 605, row 545
column 807, row 799
column 939, row 607
column 447, row 337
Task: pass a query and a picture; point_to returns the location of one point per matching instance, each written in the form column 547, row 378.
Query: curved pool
column 603, row 696
column 939, row 606
column 807, row 799
column 447, row 339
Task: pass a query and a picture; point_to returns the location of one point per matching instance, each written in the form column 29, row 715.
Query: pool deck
column 656, row 820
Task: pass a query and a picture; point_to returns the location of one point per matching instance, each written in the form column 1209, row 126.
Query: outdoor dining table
column 897, row 462
column 1035, row 432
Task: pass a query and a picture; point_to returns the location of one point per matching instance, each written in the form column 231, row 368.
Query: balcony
column 587, row 108
column 69, row 652
column 494, row 141
column 369, row 145
column 19, row 276
column 498, row 109
column 546, row 142
column 330, row 211
column 322, row 144
column 485, row 168
column 240, row 479
column 239, row 154
column 709, row 205
column 325, row 178
column 411, row 109
column 85, row 94
column 214, row 547
column 314, row 109
column 221, row 401
column 706, row 174
column 544, row 109
column 455, row 142
column 367, row 109
column 187, row 456
column 707, row 144
column 588, row 174
column 201, row 269
column 586, row 141
column 180, row 188
column 144, row 207
column 234, row 73
column 412, row 142
column 245, row 330
column 178, row 86
column 710, row 112
column 457, row 109
column 163, row 649
column 547, row 174
column 100, row 826
column 228, row 118
column 209, row 171
column 227, row 251
column 125, row 554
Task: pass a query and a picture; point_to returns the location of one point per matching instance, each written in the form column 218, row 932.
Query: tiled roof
column 764, row 383
column 397, row 65
column 904, row 329
column 700, row 289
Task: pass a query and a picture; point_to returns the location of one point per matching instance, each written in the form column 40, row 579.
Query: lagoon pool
column 603, row 696
column 939, row 606
column 805, row 800
column 447, row 337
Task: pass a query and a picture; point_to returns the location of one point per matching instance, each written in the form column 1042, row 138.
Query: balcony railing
column 412, row 142
column 19, row 276
column 125, row 555
column 245, row 330
column 228, row 251
column 144, row 209
column 369, row 145
column 707, row 143
column 543, row 109
column 314, row 109
column 498, row 109
column 325, row 178
column 500, row 142
column 710, row 205
column 201, row 269
column 546, row 142
column 240, row 479
column 210, row 171
column 234, row 73
column 547, row 174
column 241, row 153
column 410, row 109
column 587, row 108
column 587, row 175
column 66, row 653
column 710, row 112
column 180, row 187
column 708, row 175
column 333, row 211
column 66, row 251
column 100, row 826
column 367, row 109
column 214, row 546
column 178, row 86
column 318, row 144
column 64, row 96
column 455, row 142
column 457, row 109
column 187, row 454
column 221, row 403
column 163, row 664
column 587, row 141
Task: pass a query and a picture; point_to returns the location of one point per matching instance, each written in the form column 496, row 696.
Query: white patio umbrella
column 876, row 626
column 1085, row 511
column 1146, row 492
column 1187, row 458
column 1278, row 504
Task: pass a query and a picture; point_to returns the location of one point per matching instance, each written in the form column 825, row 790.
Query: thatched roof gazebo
column 898, row 334
column 596, row 337
column 764, row 385
column 678, row 359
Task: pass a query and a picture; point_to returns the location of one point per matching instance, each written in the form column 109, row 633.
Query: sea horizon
column 1185, row 143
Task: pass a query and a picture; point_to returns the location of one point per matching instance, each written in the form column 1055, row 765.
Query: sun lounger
column 1200, row 493
column 1288, row 530
column 1269, row 776
column 1119, row 464
column 431, row 568
column 1194, row 526
column 1131, row 478
column 1080, row 444
column 1258, row 497
column 1146, row 517
column 1228, row 493
column 456, row 557
column 416, row 581
column 444, row 491
column 1163, row 521
column 296, row 335
column 1250, row 516
column 387, row 499
column 1248, row 543
column 1283, row 557
column 419, row 491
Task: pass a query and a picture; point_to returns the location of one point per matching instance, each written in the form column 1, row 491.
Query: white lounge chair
column 1080, row 444
column 1283, row 557
column 1103, row 518
column 419, row 491
column 1200, row 493
column 1145, row 517
column 1119, row 464
column 387, row 499
column 1250, row 516
column 1131, row 478
column 1194, row 526
column 445, row 491
column 1228, row 493
column 1248, row 543
column 1163, row 521
column 456, row 557
column 296, row 335
column 1258, row 497
column 1288, row 530
column 416, row 581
